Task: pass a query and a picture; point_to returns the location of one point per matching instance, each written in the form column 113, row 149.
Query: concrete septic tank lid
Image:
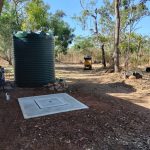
column 43, row 105
column 47, row 101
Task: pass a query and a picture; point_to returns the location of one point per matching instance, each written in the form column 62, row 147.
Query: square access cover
column 36, row 106
column 47, row 101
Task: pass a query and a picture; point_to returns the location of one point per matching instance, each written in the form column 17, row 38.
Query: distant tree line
column 114, row 23
column 113, row 27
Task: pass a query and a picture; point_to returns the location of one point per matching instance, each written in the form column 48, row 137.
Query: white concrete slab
column 37, row 106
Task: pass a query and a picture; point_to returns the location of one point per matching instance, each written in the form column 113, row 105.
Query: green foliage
column 62, row 32
column 131, row 13
column 137, row 42
column 102, row 38
column 124, row 46
column 8, row 24
column 36, row 16
column 107, row 21
column 84, row 45
column 90, row 13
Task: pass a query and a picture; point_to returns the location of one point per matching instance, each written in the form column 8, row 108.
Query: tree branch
column 82, row 4
column 1, row 5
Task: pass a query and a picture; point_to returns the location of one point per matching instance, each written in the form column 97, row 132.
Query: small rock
column 52, row 88
column 109, row 71
column 132, row 77
column 60, row 90
column 137, row 75
column 68, row 141
column 126, row 74
column 147, row 69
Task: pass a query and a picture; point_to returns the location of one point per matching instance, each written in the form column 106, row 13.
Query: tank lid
column 38, row 34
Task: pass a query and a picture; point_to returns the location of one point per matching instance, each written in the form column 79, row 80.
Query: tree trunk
column 102, row 46
column 138, row 54
column 117, row 33
column 126, row 64
column 97, row 34
column 103, row 56
column 1, row 5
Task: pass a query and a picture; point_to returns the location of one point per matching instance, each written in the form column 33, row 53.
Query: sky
column 72, row 7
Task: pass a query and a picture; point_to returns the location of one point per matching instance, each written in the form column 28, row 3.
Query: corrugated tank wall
column 34, row 59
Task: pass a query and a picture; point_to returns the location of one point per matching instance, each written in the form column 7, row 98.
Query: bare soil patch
column 118, row 117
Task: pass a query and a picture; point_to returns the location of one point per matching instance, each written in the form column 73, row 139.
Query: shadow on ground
column 110, row 123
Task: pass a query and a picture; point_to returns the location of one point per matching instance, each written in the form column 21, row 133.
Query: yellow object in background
column 87, row 62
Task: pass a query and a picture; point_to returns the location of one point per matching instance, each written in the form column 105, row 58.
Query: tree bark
column 126, row 64
column 97, row 34
column 1, row 5
column 103, row 56
column 117, row 37
column 138, row 53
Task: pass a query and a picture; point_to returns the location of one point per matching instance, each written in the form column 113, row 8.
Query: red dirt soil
column 110, row 123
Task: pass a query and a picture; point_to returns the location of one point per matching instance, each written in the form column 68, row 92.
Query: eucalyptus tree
column 132, row 13
column 62, row 31
column 117, row 36
column 110, row 22
column 1, row 5
column 91, row 14
column 9, row 22
column 37, row 16
column 139, row 42
column 83, row 44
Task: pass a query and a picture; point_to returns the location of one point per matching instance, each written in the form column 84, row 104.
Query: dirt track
column 98, row 83
column 118, row 117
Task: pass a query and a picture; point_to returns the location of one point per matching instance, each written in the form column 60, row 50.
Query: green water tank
column 34, row 59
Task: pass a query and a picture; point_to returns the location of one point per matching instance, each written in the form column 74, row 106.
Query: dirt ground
column 118, row 117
